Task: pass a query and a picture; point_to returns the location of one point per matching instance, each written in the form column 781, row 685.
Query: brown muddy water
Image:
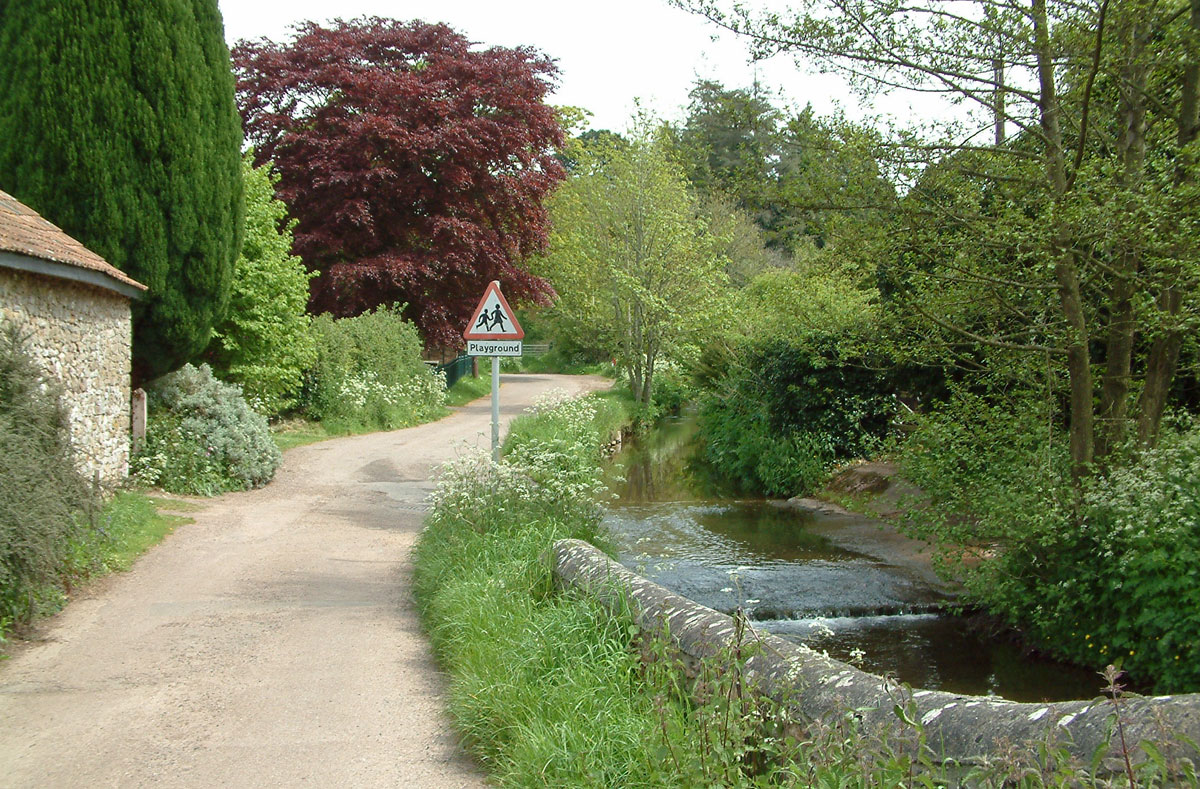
column 724, row 553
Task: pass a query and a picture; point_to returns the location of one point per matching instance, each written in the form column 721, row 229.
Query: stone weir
column 962, row 729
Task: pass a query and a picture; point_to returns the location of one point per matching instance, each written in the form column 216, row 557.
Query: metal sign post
column 496, row 409
column 493, row 331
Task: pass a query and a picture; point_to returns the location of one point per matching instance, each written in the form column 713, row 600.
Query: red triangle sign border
column 517, row 334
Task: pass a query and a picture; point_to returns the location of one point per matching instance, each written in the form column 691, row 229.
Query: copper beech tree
column 415, row 163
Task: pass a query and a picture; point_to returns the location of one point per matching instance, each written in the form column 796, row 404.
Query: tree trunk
column 1114, row 393
column 1164, row 351
column 1066, row 274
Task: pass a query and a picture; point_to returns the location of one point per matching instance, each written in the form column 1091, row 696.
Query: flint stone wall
column 965, row 729
column 80, row 335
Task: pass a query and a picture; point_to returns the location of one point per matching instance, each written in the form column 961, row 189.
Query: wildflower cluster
column 551, row 470
column 369, row 374
column 414, row 393
column 1119, row 579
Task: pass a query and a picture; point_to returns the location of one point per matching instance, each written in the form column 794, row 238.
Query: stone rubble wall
column 812, row 686
column 81, row 336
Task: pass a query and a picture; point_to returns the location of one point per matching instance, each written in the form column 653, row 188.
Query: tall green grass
column 467, row 389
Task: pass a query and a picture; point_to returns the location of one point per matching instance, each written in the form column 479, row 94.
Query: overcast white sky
column 608, row 52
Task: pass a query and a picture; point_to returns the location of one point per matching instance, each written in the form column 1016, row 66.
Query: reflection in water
column 793, row 582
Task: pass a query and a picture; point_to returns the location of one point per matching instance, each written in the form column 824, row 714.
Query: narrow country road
column 273, row 642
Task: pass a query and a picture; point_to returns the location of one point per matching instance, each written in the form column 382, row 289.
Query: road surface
column 272, row 642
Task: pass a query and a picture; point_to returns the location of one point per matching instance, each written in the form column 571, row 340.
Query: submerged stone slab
column 965, row 729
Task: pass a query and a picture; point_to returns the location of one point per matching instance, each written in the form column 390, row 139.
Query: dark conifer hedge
column 117, row 123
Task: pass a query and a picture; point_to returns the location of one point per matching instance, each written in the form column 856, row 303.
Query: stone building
column 73, row 309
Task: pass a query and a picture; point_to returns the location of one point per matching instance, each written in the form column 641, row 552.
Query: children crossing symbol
column 493, row 319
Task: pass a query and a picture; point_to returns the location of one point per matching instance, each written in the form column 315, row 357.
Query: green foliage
column 266, row 343
column 41, row 493
column 742, row 449
column 636, row 269
column 808, row 183
column 203, row 438
column 117, row 123
column 577, row 425
column 673, row 389
column 369, row 374
column 1103, row 574
column 802, row 389
column 551, row 688
column 545, row 687
column 811, row 301
column 125, row 527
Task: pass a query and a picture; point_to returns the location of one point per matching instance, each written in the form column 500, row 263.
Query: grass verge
column 547, row 687
column 298, row 431
column 109, row 540
column 126, row 527
column 468, row 389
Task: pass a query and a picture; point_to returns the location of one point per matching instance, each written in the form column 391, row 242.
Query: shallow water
column 794, row 582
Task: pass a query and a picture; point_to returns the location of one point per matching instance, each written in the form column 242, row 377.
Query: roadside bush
column 369, row 374
column 203, row 438
column 1099, row 576
column 41, row 493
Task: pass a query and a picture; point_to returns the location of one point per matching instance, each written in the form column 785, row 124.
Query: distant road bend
column 273, row 642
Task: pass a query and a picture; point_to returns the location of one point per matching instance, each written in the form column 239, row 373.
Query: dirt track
column 271, row 643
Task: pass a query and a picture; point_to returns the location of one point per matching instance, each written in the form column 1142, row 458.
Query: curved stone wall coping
column 965, row 729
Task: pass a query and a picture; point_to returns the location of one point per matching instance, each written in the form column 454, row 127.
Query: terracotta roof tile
column 24, row 231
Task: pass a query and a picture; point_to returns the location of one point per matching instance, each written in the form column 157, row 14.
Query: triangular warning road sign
column 493, row 319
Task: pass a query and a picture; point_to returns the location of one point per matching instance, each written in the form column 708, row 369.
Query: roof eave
column 87, row 276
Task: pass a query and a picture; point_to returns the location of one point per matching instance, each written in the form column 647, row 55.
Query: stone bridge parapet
column 964, row 729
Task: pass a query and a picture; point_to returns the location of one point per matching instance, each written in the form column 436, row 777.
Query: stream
column 819, row 579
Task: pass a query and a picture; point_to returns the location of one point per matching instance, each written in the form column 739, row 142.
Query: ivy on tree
column 118, row 124
column 415, row 164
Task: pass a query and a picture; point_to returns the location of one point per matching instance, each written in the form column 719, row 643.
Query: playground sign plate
column 493, row 319
column 493, row 347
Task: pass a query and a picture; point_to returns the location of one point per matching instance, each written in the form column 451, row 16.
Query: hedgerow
column 369, row 374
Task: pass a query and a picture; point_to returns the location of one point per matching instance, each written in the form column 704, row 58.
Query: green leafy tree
column 635, row 268
column 807, row 182
column 117, row 123
column 1070, row 236
column 266, row 343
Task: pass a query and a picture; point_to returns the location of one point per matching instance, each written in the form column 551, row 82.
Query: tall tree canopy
column 117, row 123
column 266, row 343
column 638, row 273
column 415, row 164
column 1062, row 222
column 807, row 182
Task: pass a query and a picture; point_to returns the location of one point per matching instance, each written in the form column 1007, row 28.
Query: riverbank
column 551, row 687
